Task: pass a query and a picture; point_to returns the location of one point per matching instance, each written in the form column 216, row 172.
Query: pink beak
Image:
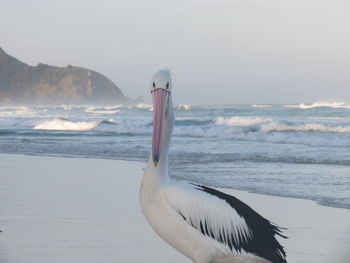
column 159, row 101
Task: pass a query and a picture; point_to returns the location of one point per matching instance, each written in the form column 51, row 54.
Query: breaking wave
column 260, row 106
column 103, row 110
column 241, row 121
column 62, row 124
column 220, row 144
column 143, row 106
column 308, row 127
column 16, row 112
column 336, row 105
column 233, row 133
column 67, row 107
column 265, row 130
column 184, row 107
column 229, row 128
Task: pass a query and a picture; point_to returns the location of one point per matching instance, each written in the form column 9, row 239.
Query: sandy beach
column 86, row 210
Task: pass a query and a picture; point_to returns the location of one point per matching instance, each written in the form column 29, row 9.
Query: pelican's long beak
column 159, row 107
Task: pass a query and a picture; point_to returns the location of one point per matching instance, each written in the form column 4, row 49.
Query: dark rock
column 49, row 85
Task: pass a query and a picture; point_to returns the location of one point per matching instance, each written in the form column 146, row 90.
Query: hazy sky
column 220, row 51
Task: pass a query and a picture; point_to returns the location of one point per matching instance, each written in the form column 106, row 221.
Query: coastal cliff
column 49, row 85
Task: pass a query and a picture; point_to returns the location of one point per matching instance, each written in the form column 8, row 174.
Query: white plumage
column 197, row 207
column 204, row 224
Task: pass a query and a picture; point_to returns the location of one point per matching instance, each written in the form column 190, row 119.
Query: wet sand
column 86, row 210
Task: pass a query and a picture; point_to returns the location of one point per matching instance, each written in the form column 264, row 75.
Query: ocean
column 299, row 150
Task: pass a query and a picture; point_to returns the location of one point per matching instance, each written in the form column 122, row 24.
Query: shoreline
column 57, row 209
column 257, row 192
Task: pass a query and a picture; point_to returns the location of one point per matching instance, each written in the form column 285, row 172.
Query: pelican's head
column 161, row 87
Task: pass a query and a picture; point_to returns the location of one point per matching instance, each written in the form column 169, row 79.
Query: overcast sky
column 219, row 51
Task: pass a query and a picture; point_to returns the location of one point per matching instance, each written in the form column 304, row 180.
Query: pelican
column 204, row 224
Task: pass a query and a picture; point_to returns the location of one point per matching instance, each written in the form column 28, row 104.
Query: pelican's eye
column 167, row 85
column 154, row 85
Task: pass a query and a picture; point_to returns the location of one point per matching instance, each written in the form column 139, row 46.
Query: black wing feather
column 263, row 242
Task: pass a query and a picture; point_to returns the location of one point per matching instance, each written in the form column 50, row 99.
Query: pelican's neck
column 161, row 169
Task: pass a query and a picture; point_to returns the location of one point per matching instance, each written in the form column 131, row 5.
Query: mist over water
column 288, row 150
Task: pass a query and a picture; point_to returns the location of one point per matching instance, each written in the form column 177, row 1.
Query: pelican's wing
column 227, row 220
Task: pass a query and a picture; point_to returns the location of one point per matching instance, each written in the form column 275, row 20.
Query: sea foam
column 287, row 146
column 308, row 127
column 260, row 106
column 184, row 107
column 64, row 124
column 241, row 121
column 335, row 105
column 103, row 110
column 17, row 112
column 143, row 106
